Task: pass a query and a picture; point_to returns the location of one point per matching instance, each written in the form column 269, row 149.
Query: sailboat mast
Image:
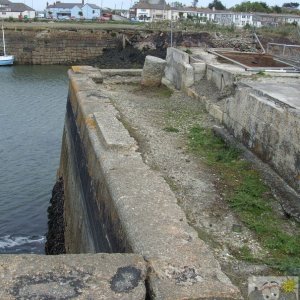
column 4, row 48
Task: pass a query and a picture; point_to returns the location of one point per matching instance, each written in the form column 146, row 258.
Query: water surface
column 32, row 108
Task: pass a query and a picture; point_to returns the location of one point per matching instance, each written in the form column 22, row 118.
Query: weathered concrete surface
column 199, row 67
column 178, row 70
column 279, row 90
column 262, row 112
column 153, row 71
column 266, row 120
column 108, row 185
column 97, row 276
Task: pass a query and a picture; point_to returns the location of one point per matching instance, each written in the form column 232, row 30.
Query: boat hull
column 6, row 60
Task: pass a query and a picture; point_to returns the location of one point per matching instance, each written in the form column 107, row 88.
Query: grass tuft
column 250, row 198
column 171, row 129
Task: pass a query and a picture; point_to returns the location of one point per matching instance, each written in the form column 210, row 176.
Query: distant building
column 274, row 20
column 229, row 18
column 60, row 10
column 15, row 10
column 145, row 11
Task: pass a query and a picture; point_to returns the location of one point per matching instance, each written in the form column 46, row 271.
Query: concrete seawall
column 115, row 203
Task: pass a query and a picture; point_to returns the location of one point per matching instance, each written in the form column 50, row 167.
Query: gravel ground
column 148, row 114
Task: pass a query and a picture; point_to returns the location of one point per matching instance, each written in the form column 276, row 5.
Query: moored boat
column 5, row 60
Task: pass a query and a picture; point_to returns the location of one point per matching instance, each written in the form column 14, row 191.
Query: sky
column 125, row 4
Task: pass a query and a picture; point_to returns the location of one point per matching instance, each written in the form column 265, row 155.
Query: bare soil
column 254, row 60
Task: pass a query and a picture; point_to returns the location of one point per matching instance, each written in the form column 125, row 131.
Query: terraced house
column 145, row 11
column 15, row 10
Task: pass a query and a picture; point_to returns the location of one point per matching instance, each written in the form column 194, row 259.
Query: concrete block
column 153, row 71
column 199, row 70
column 97, row 276
column 178, row 70
column 111, row 130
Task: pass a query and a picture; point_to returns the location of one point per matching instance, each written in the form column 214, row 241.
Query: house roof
column 94, row 6
column 71, row 5
column 151, row 6
column 5, row 2
column 146, row 5
column 277, row 15
column 64, row 5
column 15, row 7
column 20, row 7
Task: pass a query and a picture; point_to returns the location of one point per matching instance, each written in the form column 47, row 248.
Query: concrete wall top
column 89, row 276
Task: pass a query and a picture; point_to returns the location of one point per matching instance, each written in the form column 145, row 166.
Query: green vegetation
column 188, row 51
column 217, row 4
column 251, row 200
column 259, row 6
column 249, row 6
column 171, row 129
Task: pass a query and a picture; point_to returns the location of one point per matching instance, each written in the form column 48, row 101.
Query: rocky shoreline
column 55, row 240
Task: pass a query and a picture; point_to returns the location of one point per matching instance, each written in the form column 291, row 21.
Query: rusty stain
column 91, row 123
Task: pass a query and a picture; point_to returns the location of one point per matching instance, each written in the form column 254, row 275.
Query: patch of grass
column 161, row 91
column 171, row 183
column 188, row 51
column 261, row 73
column 250, row 198
column 245, row 253
column 205, row 143
column 171, row 129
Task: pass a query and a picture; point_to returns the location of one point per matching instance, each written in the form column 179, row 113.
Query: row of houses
column 57, row 10
column 144, row 11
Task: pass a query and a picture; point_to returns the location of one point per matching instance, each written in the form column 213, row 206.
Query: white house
column 239, row 19
column 151, row 12
column 15, row 10
column 59, row 10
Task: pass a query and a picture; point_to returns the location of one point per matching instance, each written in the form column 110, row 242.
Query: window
column 3, row 13
column 93, row 11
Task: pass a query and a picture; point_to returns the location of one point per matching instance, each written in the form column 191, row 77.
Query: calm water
column 32, row 108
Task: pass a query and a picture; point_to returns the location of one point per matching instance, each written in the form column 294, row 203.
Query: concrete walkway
column 284, row 90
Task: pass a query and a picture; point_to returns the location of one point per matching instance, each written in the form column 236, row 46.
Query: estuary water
column 32, row 109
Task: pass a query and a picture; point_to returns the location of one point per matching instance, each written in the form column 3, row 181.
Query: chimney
column 82, row 2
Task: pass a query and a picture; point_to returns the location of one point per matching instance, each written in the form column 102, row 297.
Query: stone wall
column 55, row 46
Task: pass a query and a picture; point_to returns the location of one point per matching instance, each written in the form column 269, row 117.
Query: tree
column 252, row 7
column 177, row 4
column 291, row 5
column 217, row 4
column 277, row 9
